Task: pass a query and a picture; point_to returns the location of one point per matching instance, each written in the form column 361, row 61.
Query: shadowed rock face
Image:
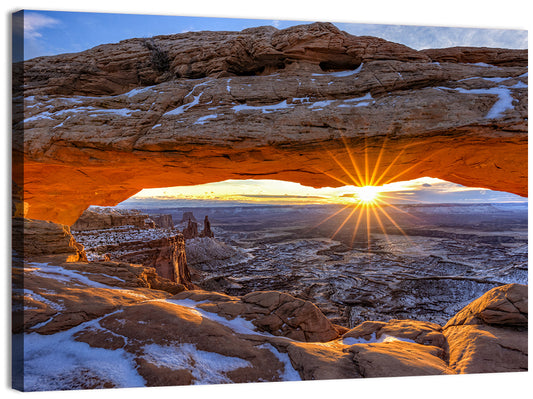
column 100, row 125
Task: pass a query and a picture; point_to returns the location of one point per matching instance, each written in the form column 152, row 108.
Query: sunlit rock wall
column 309, row 104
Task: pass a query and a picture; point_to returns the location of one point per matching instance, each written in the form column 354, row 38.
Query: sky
column 422, row 190
column 57, row 32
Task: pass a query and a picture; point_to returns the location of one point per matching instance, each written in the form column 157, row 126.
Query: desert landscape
column 111, row 291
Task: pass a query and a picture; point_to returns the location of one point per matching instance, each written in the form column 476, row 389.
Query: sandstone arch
column 98, row 126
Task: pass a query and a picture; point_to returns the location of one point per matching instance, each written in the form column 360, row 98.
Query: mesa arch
column 94, row 128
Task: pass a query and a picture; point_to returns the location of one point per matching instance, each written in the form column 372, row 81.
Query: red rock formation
column 490, row 334
column 206, row 232
column 35, row 238
column 172, row 261
column 283, row 104
column 191, row 231
column 275, row 312
column 166, row 255
column 163, row 221
column 104, row 218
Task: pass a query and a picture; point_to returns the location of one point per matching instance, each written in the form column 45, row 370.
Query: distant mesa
column 95, row 218
column 188, row 216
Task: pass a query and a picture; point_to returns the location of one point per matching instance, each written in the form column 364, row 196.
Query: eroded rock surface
column 271, row 311
column 490, row 334
column 101, row 218
column 111, row 311
column 41, row 238
column 265, row 103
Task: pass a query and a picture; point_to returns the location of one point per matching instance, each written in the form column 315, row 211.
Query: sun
column 367, row 194
column 370, row 198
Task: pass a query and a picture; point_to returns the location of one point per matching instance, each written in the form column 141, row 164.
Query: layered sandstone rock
column 191, row 230
column 103, row 218
column 421, row 332
column 271, row 311
column 131, row 236
column 163, row 221
column 96, row 218
column 171, row 263
column 165, row 253
column 490, row 334
column 309, row 104
column 207, row 232
column 50, row 296
column 36, row 238
column 205, row 337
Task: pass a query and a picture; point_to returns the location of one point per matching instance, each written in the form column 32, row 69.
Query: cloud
column 34, row 22
column 276, row 24
column 421, row 37
column 285, row 196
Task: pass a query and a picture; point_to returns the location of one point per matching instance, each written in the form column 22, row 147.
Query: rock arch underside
column 94, row 128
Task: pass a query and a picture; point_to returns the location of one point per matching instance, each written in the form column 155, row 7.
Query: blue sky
column 56, row 32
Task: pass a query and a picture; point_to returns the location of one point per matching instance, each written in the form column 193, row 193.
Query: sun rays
column 370, row 206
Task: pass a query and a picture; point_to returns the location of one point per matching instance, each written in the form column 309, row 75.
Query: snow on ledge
column 205, row 367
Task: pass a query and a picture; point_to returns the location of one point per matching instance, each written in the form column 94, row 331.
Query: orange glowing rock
column 96, row 127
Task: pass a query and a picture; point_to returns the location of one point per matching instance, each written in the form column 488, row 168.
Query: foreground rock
column 271, row 311
column 36, row 238
column 307, row 100
column 103, row 312
column 52, row 296
column 490, row 334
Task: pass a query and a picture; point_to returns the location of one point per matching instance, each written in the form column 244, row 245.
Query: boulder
column 274, row 312
column 36, row 238
column 490, row 334
column 399, row 359
column 421, row 332
column 502, row 306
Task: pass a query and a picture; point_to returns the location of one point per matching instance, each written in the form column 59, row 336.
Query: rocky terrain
column 82, row 325
column 449, row 255
column 201, row 107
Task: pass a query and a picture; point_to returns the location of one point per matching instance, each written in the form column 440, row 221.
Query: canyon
column 123, row 325
column 113, row 297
